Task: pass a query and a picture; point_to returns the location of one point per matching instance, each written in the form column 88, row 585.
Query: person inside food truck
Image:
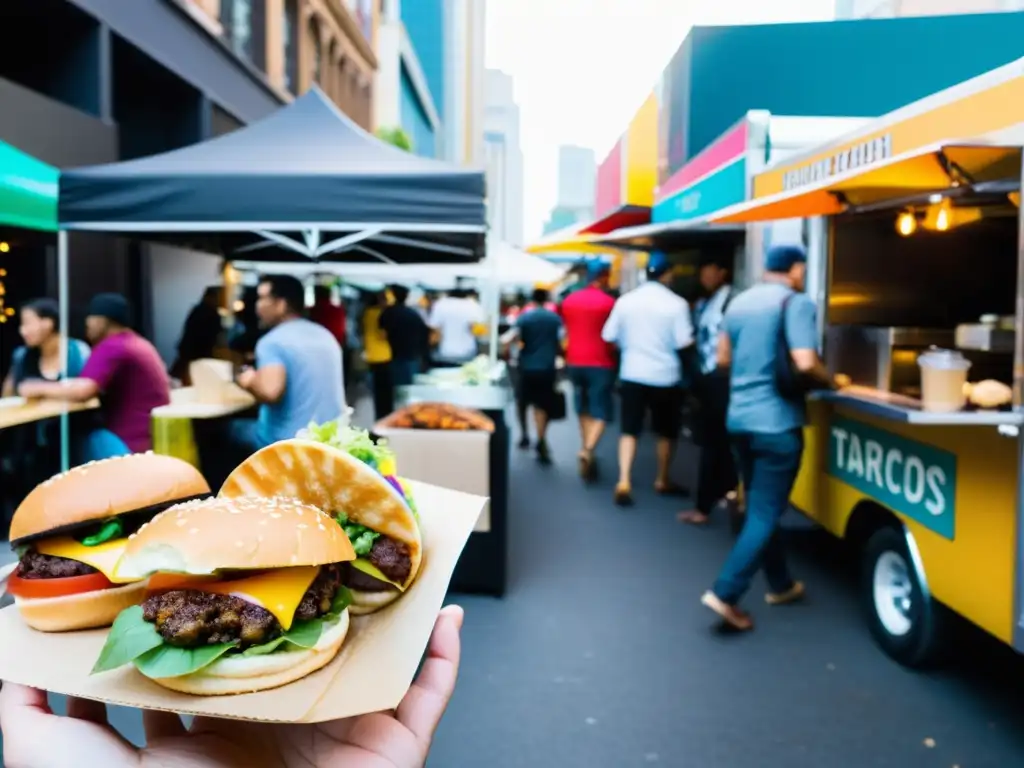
column 769, row 328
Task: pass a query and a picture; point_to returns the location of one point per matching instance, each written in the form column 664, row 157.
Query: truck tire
column 905, row 621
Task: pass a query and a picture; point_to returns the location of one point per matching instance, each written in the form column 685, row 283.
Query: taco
column 374, row 511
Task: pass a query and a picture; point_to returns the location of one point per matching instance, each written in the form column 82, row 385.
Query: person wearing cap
column 124, row 370
column 590, row 360
column 716, row 470
column 766, row 427
column 652, row 328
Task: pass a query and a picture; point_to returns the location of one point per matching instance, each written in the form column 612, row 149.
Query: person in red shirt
column 591, row 361
column 334, row 318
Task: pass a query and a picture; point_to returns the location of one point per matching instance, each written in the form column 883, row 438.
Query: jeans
column 383, row 390
column 403, row 372
column 100, row 444
column 768, row 465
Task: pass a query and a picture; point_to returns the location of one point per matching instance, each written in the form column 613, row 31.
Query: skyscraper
column 503, row 156
column 877, row 9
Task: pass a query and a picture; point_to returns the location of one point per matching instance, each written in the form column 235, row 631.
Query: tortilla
column 334, row 481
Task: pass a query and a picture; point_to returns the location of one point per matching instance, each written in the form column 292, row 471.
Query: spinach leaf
column 131, row 636
column 342, row 600
column 303, row 634
column 168, row 661
column 112, row 529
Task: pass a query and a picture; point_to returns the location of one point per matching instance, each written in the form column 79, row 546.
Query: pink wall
column 608, row 195
column 725, row 149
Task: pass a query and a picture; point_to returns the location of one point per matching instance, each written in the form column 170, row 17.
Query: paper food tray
column 372, row 673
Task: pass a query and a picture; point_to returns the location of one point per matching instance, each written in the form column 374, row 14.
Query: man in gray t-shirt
column 298, row 376
column 765, row 427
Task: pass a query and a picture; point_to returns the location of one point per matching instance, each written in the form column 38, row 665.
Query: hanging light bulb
column 906, row 223
column 5, row 247
column 943, row 218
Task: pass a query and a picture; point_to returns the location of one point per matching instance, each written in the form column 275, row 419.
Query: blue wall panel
column 424, row 21
column 847, row 68
column 414, row 119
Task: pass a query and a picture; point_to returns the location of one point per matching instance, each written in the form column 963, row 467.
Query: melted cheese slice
column 371, row 570
column 103, row 557
column 279, row 590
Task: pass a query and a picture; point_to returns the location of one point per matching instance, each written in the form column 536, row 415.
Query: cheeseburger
column 375, row 510
column 243, row 595
column 71, row 530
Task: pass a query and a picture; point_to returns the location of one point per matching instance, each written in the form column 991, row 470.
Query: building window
column 290, row 30
column 243, row 22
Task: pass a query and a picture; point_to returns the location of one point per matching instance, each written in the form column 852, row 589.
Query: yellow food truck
column 921, row 249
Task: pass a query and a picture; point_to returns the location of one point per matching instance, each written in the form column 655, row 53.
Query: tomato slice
column 40, row 588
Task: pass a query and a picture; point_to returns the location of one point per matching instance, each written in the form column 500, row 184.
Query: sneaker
column 524, row 444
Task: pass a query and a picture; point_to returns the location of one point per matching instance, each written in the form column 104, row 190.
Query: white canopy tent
column 504, row 265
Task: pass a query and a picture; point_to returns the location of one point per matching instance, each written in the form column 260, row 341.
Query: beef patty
column 36, row 566
column 391, row 558
column 187, row 618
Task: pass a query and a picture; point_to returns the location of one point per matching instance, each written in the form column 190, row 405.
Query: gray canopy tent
column 305, row 183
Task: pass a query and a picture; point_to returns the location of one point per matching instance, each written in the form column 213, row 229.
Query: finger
column 424, row 705
column 19, row 698
column 161, row 725
column 83, row 709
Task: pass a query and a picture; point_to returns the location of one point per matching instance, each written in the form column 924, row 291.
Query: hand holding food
column 71, row 530
column 35, row 736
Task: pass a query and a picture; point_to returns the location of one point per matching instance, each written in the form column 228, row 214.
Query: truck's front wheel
column 905, row 621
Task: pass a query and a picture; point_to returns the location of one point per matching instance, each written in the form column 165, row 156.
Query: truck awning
column 931, row 169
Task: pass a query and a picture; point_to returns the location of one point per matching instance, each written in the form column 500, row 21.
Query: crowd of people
column 740, row 363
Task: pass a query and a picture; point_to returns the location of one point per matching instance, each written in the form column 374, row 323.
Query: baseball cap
column 657, row 265
column 781, row 258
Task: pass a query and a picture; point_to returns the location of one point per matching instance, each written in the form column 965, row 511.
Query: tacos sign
column 912, row 478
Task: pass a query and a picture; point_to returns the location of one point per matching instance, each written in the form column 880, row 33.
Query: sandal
column 794, row 594
column 730, row 614
column 693, row 517
column 623, row 496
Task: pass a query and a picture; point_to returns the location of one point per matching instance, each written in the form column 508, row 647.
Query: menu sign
column 847, row 159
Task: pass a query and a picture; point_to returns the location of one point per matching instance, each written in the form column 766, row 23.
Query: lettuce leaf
column 355, row 442
column 362, row 538
column 133, row 640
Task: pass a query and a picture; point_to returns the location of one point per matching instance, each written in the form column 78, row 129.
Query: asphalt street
column 602, row 657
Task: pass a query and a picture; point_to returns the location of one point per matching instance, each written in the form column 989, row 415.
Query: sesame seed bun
column 333, row 481
column 103, row 489
column 206, row 536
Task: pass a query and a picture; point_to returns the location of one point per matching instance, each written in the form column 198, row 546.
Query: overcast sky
column 583, row 67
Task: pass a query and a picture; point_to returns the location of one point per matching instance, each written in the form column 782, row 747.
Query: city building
column 430, row 76
column 296, row 43
column 503, row 157
column 577, row 180
column 410, row 75
column 464, row 82
column 112, row 80
column 878, row 9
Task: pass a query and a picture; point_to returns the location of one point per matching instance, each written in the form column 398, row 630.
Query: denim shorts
column 592, row 389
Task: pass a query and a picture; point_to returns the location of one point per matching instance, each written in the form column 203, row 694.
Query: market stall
column 301, row 186
column 918, row 470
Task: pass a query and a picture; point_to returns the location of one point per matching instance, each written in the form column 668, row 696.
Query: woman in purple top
column 125, row 371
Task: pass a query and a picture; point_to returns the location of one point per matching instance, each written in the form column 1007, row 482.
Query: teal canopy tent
column 28, row 191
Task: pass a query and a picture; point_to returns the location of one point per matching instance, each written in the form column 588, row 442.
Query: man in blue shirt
column 540, row 333
column 298, row 376
column 765, row 427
